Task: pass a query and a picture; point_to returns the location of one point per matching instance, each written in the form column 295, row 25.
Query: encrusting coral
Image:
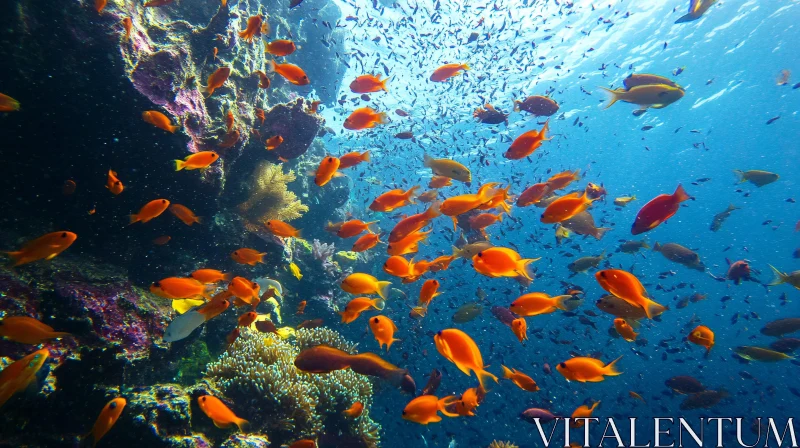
column 269, row 198
column 286, row 404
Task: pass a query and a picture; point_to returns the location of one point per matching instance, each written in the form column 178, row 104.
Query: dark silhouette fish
column 720, row 218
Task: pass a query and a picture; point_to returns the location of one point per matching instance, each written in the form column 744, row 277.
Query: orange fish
column 216, row 306
column 282, row 229
column 207, row 276
column 113, row 183
column 301, row 308
column 233, row 336
column 533, row 194
column 27, row 330
column 273, row 142
column 352, row 159
column 357, row 306
column 291, row 73
column 162, row 240
column 280, row 47
column 624, row 329
column 408, row 244
column 229, row 139
column 253, row 28
column 383, row 328
column 447, row 71
column 196, row 161
column 429, row 290
column 499, row 200
column 563, row 179
column 8, row 104
column 363, row 118
column 305, row 443
column 247, row 318
column 394, row 199
column 314, row 108
column 636, row 396
column 484, row 220
column 152, row 209
column 582, row 411
column 18, row 375
column 522, row 381
column 428, row 196
column 464, row 203
column 440, row 182
column 628, row 288
column 215, row 52
column 184, row 214
column 222, row 416
column 245, row 290
column 658, row 210
column 413, row 223
column 520, row 328
column 248, row 256
column 536, row 303
column 441, row 263
column 398, row 266
column 587, row 369
column 263, row 83
column 45, row 247
column 107, row 418
column 702, row 336
column 565, row 207
column 354, row 227
column 216, row 80
column 360, row 283
column 327, row 170
column 458, row 348
column 127, row 25
column 229, row 121
column 366, row 242
column 159, row 120
column 355, row 410
column 368, row 84
column 501, row 262
column 423, row 409
column 469, row 401
column 527, row 143
column 179, row 288
column 100, row 4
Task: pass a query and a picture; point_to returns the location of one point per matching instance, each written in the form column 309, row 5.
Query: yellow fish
column 295, row 270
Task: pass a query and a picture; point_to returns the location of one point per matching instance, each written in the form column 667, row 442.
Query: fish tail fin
column 483, row 377
column 383, row 84
column 17, row 256
column 613, row 98
column 500, row 216
column 383, row 118
column 522, row 267
column 681, row 194
column 780, row 277
column 173, row 128
column 379, row 304
column 611, row 369
column 516, row 105
column 298, row 234
column 656, row 247
column 457, row 252
column 243, row 424
column 567, row 302
column 133, row 219
column 412, row 192
column 507, row 373
column 465, row 66
column 179, row 165
column 273, row 66
column 653, row 309
column 383, row 289
column 433, row 211
column 455, row 223
column 444, row 403
column 601, row 232
column 365, row 157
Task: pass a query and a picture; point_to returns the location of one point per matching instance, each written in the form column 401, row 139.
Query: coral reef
column 501, row 444
column 297, row 127
column 258, row 369
column 269, row 197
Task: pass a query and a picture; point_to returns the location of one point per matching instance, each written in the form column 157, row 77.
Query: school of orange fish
column 476, row 212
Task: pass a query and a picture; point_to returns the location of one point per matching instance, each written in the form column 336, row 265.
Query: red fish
column 658, row 210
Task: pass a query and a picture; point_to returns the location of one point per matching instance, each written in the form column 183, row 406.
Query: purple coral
column 322, row 251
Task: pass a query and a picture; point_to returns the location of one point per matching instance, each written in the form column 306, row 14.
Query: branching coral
column 269, row 197
column 288, row 404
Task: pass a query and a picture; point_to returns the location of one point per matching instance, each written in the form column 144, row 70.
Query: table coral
column 285, row 403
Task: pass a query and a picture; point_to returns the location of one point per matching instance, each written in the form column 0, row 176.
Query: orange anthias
column 624, row 329
column 583, row 369
column 383, row 328
column 658, row 210
column 151, row 210
column 364, row 118
column 522, row 380
column 423, row 409
column 207, row 276
column 447, row 71
column 159, row 120
column 429, row 291
column 245, row 255
column 360, row 283
column 107, row 418
column 520, row 328
column 19, row 374
column 533, row 194
column 409, row 244
column 527, row 143
column 273, row 142
column 458, row 348
column 561, row 180
column 355, row 410
column 366, row 242
column 216, row 80
column 536, row 303
column 280, row 47
column 222, row 416
column 565, row 208
column 352, row 159
column 501, row 262
column 179, row 288
column 368, row 84
column 253, row 28
column 113, row 183
column 582, row 411
column 45, row 247
column 413, row 223
column 184, row 214
column 394, row 199
column 354, row 227
column 627, row 287
column 357, row 306
column 292, row 73
column 327, row 170
column 702, row 336
column 197, row 161
column 27, row 330
column 282, row 229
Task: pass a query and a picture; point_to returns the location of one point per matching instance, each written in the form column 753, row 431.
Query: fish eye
column 203, row 399
column 563, row 365
column 112, row 405
column 603, row 274
column 156, row 284
column 64, row 235
column 163, row 201
column 404, row 412
column 480, row 254
column 439, row 333
column 376, row 320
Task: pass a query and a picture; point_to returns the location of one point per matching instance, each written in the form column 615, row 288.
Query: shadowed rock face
column 297, row 128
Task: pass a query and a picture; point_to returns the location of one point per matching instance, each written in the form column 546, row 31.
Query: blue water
column 732, row 57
